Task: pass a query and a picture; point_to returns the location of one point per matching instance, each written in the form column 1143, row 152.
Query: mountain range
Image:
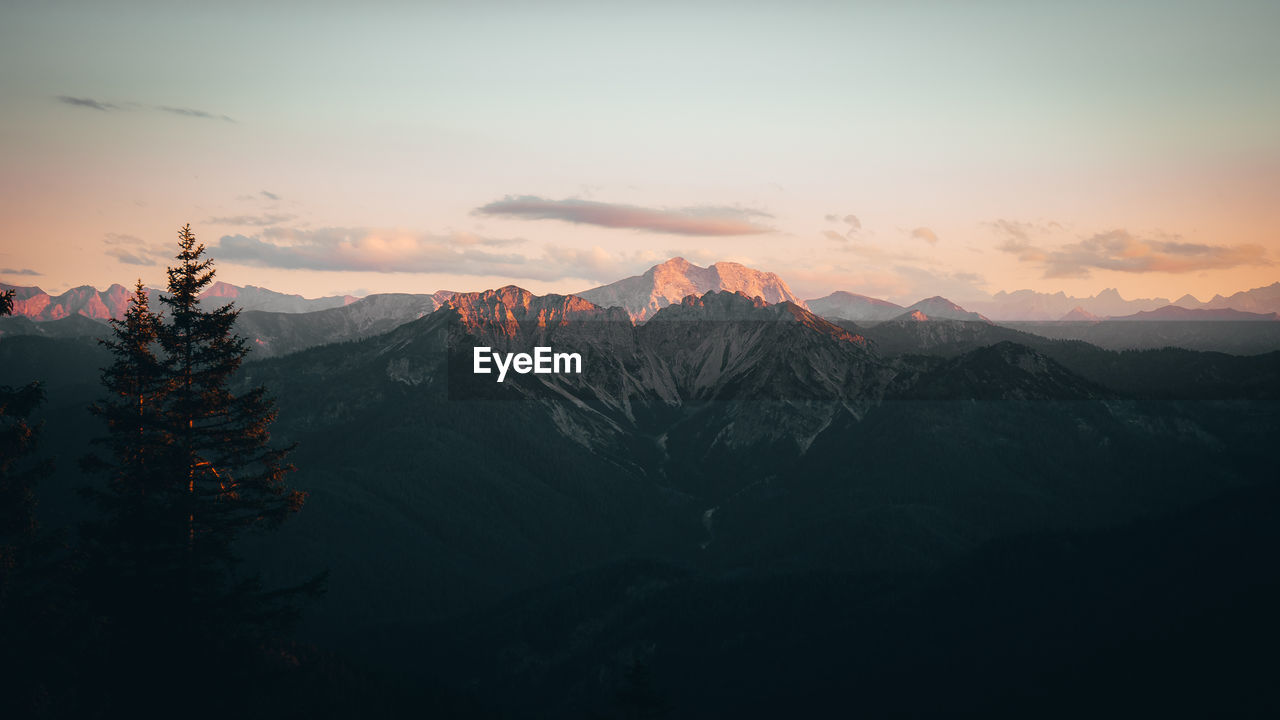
column 1029, row 305
column 36, row 304
column 727, row 479
column 277, row 323
column 1178, row 313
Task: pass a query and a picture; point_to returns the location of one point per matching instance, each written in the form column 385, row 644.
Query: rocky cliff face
column 719, row 370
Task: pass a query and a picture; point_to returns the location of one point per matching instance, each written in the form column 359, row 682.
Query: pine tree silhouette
column 190, row 469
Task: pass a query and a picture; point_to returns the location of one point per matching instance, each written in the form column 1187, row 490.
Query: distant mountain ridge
column 1173, row 312
column 281, row 333
column 938, row 308
column 852, row 306
column 1258, row 300
column 278, row 323
column 1036, row 306
column 1032, row 305
column 36, row 304
column 252, row 297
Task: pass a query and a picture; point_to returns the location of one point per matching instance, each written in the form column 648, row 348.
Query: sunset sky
column 891, row 149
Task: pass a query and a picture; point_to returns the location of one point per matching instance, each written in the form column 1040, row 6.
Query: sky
column 894, row 149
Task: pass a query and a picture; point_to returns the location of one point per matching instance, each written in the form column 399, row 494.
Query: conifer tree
column 136, row 385
column 230, row 478
column 191, row 467
column 130, row 553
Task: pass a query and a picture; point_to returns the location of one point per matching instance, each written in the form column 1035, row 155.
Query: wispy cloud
column 189, row 112
column 250, row 220
column 957, row 286
column 400, row 251
column 1019, row 237
column 129, row 256
column 269, row 195
column 1122, row 251
column 925, row 234
column 131, row 249
column 701, row 221
column 103, row 106
column 18, row 271
column 87, row 103
column 852, row 226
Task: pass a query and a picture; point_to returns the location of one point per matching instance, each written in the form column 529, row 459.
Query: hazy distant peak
column 845, row 305
column 1079, row 314
column 940, row 308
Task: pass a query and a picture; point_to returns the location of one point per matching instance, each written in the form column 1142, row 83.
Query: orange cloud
column 925, row 234
column 1122, row 251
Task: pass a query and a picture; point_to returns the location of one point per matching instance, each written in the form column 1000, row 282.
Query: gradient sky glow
column 410, row 147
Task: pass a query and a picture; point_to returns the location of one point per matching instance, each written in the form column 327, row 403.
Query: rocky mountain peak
column 670, row 282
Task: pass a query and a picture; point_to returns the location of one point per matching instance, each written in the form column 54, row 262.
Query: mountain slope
column 71, row 326
column 1004, row 371
column 746, row 356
